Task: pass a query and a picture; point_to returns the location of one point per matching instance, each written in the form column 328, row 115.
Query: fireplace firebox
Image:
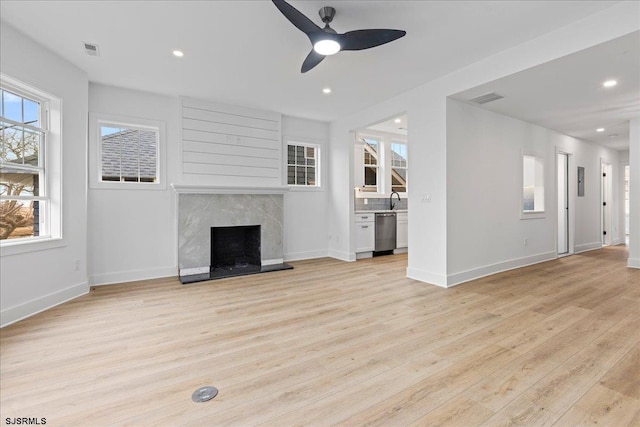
column 234, row 248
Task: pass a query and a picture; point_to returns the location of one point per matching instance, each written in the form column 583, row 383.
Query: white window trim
column 525, row 215
column 383, row 189
column 319, row 175
column 52, row 124
column 95, row 160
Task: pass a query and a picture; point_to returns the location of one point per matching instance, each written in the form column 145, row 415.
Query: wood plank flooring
column 334, row 343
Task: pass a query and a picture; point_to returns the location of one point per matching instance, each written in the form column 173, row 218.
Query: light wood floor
column 329, row 342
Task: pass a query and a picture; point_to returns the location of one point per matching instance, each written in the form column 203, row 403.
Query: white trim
column 342, row 256
column 96, row 119
column 587, row 247
column 427, row 277
column 633, row 262
column 298, row 256
column 207, row 189
column 274, row 261
column 34, row 244
column 488, row 270
column 318, row 164
column 22, row 311
column 132, row 276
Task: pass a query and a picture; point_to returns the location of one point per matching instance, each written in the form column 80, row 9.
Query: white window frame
column 392, row 166
column 318, row 166
column 384, row 182
column 50, row 167
column 378, row 186
column 96, row 121
column 540, row 163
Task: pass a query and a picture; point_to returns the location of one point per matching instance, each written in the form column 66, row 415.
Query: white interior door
column 563, row 203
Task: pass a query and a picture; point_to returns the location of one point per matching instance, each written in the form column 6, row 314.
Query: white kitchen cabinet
column 402, row 230
column 365, row 232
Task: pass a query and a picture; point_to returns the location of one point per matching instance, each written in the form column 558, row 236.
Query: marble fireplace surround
column 200, row 208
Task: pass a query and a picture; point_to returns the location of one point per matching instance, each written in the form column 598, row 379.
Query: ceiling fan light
column 327, row 47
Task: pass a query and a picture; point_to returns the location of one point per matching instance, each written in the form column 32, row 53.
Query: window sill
column 302, row 188
column 533, row 215
column 127, row 186
column 8, row 248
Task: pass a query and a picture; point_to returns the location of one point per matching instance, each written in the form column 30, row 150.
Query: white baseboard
column 427, row 277
column 298, row 256
column 487, row 270
column 633, row 262
column 587, row 247
column 342, row 256
column 272, row 261
column 35, row 306
column 132, row 276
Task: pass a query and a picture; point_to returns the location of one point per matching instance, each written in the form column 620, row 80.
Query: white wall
column 132, row 233
column 305, row 210
column 35, row 280
column 426, row 110
column 634, row 194
column 485, row 232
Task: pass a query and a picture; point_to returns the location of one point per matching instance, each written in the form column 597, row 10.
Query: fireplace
column 224, row 235
column 235, row 249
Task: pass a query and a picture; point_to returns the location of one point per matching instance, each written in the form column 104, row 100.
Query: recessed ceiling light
column 326, row 90
column 600, row 130
column 398, row 120
column 178, row 53
column 610, row 83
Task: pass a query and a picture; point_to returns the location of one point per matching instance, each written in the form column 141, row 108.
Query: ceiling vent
column 489, row 97
column 91, row 49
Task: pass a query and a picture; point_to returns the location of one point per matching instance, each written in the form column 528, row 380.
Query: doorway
column 563, row 204
column 605, row 192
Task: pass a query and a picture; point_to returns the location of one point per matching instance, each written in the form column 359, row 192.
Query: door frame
column 571, row 188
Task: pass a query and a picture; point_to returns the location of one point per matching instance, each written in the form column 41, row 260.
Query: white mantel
column 207, row 189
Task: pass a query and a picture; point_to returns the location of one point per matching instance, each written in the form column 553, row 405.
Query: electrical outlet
column 76, row 265
column 525, row 242
column 426, row 198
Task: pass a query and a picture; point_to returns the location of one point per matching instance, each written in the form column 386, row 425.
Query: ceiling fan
column 326, row 41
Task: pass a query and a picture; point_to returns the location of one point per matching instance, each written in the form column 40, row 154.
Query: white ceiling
column 247, row 53
column 567, row 94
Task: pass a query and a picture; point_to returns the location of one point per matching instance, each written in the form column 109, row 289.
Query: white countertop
column 382, row 211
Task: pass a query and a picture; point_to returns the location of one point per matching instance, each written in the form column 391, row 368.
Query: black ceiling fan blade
column 297, row 18
column 313, row 59
column 365, row 39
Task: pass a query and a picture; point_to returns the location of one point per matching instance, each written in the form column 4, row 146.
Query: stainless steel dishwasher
column 385, row 232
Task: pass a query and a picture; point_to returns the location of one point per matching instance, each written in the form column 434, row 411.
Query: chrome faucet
column 391, row 204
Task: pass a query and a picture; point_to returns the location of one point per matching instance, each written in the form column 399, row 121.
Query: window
column 380, row 163
column 24, row 201
column 371, row 163
column 533, row 184
column 303, row 164
column 399, row 167
column 126, row 152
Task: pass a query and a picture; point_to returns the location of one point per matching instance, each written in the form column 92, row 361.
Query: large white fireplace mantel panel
column 197, row 213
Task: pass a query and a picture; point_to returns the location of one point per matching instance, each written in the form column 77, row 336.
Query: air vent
column 489, row 97
column 91, row 49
